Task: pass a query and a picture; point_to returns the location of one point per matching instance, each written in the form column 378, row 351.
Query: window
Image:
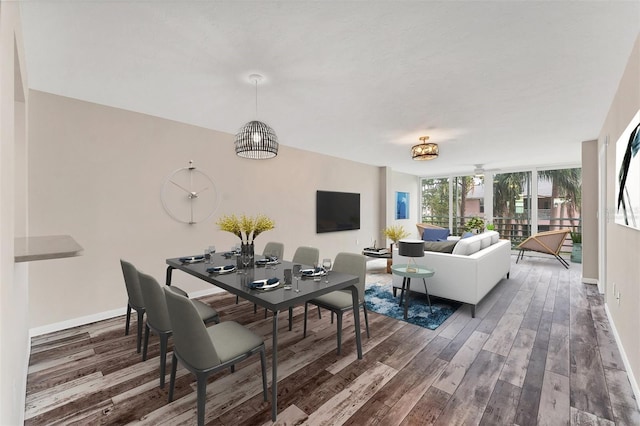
column 435, row 201
column 557, row 205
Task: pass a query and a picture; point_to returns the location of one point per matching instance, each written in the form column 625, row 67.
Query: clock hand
column 181, row 187
column 202, row 190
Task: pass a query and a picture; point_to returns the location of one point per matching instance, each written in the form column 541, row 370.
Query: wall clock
column 189, row 195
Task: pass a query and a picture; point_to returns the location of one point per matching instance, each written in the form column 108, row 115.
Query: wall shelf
column 28, row 249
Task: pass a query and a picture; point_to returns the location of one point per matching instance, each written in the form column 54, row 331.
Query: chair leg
column 366, row 319
column 237, row 299
column 164, row 338
column 339, row 316
column 331, row 317
column 202, row 394
column 319, row 313
column 140, row 320
column 265, row 313
column 126, row 326
column 146, row 342
column 172, row 381
column 304, row 332
column 233, row 368
column 263, row 363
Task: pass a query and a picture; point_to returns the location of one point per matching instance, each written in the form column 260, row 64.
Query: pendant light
column 256, row 140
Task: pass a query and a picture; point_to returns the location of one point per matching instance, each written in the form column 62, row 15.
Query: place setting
column 192, row 259
column 225, row 269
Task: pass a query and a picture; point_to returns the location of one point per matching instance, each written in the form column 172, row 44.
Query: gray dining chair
column 135, row 300
column 306, row 256
column 341, row 301
column 158, row 316
column 204, row 351
column 273, row 248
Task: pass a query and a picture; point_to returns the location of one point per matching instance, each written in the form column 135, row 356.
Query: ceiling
column 503, row 84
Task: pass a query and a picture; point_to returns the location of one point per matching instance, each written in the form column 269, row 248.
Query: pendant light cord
column 256, row 98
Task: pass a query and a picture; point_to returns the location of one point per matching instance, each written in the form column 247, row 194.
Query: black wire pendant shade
column 256, row 140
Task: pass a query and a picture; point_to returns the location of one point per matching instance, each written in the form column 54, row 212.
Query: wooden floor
column 540, row 351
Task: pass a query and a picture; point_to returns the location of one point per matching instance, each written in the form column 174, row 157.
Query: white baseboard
column 75, row 322
column 590, row 280
column 207, row 292
column 625, row 360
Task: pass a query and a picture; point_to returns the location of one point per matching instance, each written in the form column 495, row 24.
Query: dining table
column 274, row 299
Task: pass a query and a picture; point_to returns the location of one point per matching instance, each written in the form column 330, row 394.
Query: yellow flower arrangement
column 247, row 228
column 395, row 233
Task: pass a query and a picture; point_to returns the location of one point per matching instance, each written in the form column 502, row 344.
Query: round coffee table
column 412, row 271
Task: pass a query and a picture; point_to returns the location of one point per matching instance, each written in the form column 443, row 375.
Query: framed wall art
column 402, row 205
column 627, row 195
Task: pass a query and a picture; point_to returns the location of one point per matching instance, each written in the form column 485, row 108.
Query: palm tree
column 566, row 184
column 507, row 188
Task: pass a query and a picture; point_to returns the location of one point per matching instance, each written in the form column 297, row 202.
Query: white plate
column 310, row 273
column 264, row 286
column 193, row 260
column 224, row 271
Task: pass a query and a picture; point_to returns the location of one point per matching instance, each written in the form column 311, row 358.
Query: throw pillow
column 435, row 234
column 440, row 246
column 467, row 235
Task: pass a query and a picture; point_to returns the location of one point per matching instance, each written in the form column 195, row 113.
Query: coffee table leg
column 404, row 283
column 274, row 369
column 427, row 292
column 406, row 300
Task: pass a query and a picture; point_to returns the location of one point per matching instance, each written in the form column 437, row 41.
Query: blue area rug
column 379, row 298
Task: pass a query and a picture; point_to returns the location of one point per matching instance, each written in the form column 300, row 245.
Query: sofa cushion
column 467, row 246
column 495, row 236
column 485, row 240
column 435, row 234
column 440, row 246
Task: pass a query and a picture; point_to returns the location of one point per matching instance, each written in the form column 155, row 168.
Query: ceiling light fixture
column 256, row 140
column 425, row 150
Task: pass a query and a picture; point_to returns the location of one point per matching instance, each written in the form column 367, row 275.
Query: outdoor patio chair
column 549, row 242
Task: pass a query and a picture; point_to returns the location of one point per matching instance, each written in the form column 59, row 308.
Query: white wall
column 402, row 182
column 96, row 174
column 623, row 243
column 14, row 333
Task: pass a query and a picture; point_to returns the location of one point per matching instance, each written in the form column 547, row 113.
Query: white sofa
column 467, row 274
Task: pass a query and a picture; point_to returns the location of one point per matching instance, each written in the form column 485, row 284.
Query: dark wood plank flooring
column 540, row 351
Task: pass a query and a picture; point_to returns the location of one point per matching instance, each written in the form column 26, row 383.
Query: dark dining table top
column 275, row 299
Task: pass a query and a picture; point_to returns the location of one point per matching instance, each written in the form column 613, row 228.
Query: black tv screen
column 337, row 211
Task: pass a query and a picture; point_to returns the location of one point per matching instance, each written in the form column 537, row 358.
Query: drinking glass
column 268, row 256
column 326, row 264
column 297, row 273
column 287, row 279
column 207, row 255
column 316, row 267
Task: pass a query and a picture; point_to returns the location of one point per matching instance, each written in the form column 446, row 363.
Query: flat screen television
column 337, row 211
